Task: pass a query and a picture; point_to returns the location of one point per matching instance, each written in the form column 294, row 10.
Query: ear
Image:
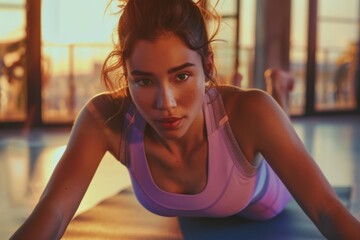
column 209, row 64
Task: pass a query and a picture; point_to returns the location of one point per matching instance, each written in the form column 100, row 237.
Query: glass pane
column 224, row 50
column 12, row 2
column 224, row 7
column 247, row 42
column 338, row 9
column 55, row 88
column 72, row 66
column 73, row 53
column 337, row 56
column 12, row 64
column 298, row 55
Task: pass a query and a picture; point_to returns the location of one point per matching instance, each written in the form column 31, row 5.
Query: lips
column 170, row 122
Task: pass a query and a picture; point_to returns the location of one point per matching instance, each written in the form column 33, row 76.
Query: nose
column 165, row 98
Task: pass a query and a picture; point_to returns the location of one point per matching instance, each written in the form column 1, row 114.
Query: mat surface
column 122, row 217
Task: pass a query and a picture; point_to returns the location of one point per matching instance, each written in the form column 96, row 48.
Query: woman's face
column 167, row 84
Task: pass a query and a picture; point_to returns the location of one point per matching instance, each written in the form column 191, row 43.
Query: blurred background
column 51, row 53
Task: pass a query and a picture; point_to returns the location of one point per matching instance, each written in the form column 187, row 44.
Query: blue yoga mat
column 122, row 217
column 292, row 223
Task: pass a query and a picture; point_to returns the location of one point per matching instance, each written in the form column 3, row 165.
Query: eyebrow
column 171, row 70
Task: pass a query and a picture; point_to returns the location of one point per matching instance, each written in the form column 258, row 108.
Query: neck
column 194, row 137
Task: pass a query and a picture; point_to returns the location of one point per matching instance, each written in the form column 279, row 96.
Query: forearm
column 338, row 223
column 45, row 222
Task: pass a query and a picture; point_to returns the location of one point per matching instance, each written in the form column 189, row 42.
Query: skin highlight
column 173, row 87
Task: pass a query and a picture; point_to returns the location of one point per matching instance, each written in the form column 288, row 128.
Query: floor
column 27, row 160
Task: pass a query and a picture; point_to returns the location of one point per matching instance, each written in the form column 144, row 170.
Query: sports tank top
column 232, row 182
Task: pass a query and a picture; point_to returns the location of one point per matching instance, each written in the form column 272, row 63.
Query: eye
column 182, row 77
column 144, row 82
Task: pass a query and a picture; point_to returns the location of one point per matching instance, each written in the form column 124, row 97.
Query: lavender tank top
column 234, row 186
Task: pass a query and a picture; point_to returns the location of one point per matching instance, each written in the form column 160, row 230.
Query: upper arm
column 269, row 131
column 86, row 147
column 92, row 135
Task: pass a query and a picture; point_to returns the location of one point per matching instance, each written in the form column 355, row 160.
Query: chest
column 207, row 185
column 178, row 173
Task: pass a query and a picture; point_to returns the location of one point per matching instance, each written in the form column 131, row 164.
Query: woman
column 192, row 148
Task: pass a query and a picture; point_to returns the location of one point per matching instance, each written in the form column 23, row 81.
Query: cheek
column 193, row 97
column 142, row 99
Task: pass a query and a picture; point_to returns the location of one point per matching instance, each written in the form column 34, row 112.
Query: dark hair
column 149, row 19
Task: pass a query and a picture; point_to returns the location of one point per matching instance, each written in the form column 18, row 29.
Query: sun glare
column 81, row 21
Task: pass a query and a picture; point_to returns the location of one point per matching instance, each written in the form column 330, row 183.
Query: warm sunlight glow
column 81, row 21
column 13, row 30
column 47, row 162
column 18, row 166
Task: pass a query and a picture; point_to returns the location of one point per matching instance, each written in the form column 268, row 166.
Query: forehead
column 167, row 50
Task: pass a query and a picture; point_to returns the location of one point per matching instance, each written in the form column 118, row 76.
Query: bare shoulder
column 102, row 118
column 107, row 109
column 251, row 113
column 245, row 103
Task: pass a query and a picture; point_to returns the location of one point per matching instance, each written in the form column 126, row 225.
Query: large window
column 334, row 87
column 298, row 55
column 72, row 54
column 77, row 36
column 12, row 60
column 235, row 49
column 338, row 34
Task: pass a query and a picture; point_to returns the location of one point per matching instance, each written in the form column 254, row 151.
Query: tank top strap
column 214, row 110
column 217, row 120
column 132, row 119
